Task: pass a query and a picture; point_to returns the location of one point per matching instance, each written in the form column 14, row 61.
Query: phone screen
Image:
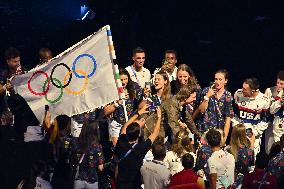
column 148, row 85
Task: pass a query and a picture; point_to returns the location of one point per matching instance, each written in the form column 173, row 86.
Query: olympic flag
column 78, row 80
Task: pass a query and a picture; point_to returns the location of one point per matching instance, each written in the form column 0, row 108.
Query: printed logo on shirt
column 248, row 115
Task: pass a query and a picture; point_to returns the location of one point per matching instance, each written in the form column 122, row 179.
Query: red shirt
column 254, row 179
column 184, row 177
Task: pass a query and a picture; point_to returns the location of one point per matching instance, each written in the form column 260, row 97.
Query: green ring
column 61, row 89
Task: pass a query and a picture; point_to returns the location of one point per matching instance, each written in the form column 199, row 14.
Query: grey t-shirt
column 155, row 175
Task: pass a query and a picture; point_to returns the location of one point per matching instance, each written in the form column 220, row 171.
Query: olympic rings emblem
column 44, row 91
column 52, row 71
column 76, row 60
column 86, row 82
column 66, row 81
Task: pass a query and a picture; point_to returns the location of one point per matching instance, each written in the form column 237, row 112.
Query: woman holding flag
column 133, row 96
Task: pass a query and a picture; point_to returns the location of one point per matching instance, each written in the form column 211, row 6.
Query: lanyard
column 134, row 72
column 158, row 162
column 262, row 180
column 135, row 75
column 127, row 153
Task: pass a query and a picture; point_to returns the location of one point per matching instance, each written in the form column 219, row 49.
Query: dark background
column 246, row 37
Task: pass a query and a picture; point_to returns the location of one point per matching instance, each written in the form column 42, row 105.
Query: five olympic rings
column 67, row 79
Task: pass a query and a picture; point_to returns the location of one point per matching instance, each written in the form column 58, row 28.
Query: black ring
column 51, row 79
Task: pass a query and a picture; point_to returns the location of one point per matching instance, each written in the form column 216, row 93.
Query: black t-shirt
column 122, row 146
column 129, row 176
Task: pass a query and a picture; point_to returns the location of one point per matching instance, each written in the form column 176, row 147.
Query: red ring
column 29, row 83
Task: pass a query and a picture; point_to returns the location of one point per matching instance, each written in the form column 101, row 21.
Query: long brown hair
column 182, row 143
column 238, row 139
column 167, row 88
column 184, row 93
column 192, row 80
column 89, row 135
column 130, row 85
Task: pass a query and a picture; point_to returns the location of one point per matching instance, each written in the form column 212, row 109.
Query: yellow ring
column 86, row 82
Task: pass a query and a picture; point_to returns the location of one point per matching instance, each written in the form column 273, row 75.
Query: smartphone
column 165, row 62
column 191, row 137
column 249, row 132
column 151, row 107
column 46, row 108
column 148, row 85
column 212, row 85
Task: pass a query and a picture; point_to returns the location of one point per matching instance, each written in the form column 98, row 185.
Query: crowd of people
column 168, row 132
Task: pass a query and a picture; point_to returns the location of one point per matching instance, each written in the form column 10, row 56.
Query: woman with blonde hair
column 185, row 77
column 161, row 93
column 241, row 147
column 162, row 90
column 181, row 146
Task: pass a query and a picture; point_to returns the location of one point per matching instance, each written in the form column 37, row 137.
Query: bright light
column 83, row 18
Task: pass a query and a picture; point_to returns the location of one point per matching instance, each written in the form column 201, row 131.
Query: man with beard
column 13, row 67
column 252, row 109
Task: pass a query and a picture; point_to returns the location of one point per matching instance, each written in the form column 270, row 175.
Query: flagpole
column 117, row 77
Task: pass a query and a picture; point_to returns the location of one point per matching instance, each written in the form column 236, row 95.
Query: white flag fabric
column 78, row 80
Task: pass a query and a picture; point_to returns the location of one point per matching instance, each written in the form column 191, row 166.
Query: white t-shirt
column 173, row 162
column 222, row 163
column 139, row 77
column 40, row 184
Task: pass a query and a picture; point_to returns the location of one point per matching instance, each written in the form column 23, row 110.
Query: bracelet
column 206, row 98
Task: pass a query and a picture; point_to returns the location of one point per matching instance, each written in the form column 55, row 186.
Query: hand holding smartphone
column 212, row 90
column 249, row 132
column 148, row 85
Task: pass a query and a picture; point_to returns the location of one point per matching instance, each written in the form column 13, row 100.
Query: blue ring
column 76, row 60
